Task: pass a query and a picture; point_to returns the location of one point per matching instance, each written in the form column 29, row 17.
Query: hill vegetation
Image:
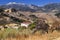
column 43, row 22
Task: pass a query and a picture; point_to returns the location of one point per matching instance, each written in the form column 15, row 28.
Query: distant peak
column 11, row 3
column 15, row 3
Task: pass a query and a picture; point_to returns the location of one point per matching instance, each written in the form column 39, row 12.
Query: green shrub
column 21, row 28
column 31, row 26
column 58, row 15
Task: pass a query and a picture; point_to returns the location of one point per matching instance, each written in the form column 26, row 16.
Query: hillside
column 20, row 11
column 19, row 21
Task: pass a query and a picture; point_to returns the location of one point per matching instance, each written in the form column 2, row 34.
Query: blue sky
column 36, row 2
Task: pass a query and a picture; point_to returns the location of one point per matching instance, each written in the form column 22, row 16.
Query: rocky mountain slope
column 30, row 12
column 33, row 8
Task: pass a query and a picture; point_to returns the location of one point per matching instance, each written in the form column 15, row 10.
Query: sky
column 35, row 2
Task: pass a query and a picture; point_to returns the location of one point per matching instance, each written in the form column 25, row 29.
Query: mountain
column 21, row 7
column 52, row 7
column 33, row 8
column 25, row 11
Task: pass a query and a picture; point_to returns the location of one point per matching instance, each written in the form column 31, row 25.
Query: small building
column 25, row 24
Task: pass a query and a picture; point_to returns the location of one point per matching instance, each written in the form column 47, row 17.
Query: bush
column 1, row 10
column 31, row 26
column 21, row 28
column 57, row 14
column 13, row 10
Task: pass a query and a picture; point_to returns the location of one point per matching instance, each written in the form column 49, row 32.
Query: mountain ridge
column 33, row 8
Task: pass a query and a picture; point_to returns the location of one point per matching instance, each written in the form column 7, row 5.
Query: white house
column 25, row 24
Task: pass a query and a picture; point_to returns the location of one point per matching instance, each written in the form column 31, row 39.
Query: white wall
column 26, row 25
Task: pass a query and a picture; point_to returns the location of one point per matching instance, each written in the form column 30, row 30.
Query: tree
column 41, row 25
column 1, row 10
column 13, row 10
column 32, row 26
column 58, row 15
column 33, row 17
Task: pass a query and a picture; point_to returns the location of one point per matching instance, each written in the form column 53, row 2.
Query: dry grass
column 12, row 34
column 49, row 36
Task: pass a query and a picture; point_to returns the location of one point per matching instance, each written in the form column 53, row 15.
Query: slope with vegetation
column 44, row 25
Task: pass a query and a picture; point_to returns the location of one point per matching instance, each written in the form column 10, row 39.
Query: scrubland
column 26, row 34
